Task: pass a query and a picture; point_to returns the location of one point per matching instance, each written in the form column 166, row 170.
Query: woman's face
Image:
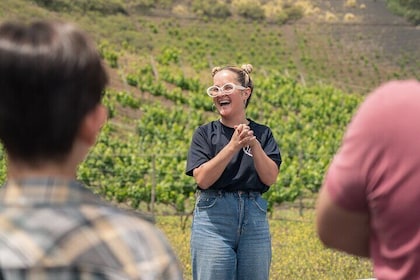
column 229, row 104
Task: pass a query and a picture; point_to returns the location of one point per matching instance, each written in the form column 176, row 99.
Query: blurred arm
column 341, row 229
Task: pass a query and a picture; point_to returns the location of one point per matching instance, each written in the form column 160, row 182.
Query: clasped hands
column 243, row 136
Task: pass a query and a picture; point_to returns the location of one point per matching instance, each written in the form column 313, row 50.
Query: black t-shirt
column 240, row 173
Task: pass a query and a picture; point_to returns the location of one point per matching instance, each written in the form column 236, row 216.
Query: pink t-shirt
column 377, row 170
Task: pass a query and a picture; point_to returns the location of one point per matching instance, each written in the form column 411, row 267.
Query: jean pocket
column 261, row 204
column 206, row 202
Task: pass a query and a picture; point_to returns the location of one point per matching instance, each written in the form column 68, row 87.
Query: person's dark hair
column 51, row 76
column 243, row 74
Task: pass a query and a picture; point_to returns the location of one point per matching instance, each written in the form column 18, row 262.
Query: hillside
column 354, row 48
column 354, row 45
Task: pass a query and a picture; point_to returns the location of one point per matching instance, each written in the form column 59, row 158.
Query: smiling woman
column 233, row 161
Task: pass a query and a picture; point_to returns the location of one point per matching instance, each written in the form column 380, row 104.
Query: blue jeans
column 230, row 237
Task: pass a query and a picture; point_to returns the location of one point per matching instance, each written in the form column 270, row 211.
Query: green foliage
column 169, row 55
column 141, row 6
column 107, row 7
column 109, row 102
column 293, row 12
column 251, row 9
column 108, row 54
column 165, row 4
column 307, row 122
column 127, row 100
column 413, row 16
column 410, row 9
column 411, row 4
column 3, row 172
column 211, row 8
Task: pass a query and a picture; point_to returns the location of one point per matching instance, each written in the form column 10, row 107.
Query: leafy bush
column 211, row 8
column 251, row 9
column 411, row 4
column 293, row 13
column 410, row 9
column 413, row 16
column 169, row 55
column 108, row 54
column 106, row 7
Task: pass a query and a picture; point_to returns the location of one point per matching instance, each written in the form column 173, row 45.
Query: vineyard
column 151, row 159
column 307, row 114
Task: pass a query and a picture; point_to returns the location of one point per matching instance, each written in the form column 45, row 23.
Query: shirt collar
column 39, row 191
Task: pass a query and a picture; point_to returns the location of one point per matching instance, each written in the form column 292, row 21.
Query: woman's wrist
column 254, row 143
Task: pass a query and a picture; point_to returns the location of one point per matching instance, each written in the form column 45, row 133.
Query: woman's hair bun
column 247, row 68
column 215, row 70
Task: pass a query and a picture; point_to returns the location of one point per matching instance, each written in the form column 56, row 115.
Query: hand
column 245, row 136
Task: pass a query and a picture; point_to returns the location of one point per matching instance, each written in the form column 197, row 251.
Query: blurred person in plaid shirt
column 51, row 226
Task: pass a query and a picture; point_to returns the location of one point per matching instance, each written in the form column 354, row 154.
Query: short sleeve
column 271, row 148
column 199, row 151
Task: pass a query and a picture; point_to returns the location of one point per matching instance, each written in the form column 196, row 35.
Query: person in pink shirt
column 369, row 204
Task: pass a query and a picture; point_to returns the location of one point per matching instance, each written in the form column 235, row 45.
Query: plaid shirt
column 57, row 229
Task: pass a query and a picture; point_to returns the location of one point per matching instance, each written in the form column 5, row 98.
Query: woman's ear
column 92, row 123
column 246, row 93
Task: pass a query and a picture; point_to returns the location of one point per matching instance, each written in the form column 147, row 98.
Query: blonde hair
column 242, row 72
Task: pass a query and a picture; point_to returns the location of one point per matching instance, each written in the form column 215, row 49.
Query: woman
column 233, row 160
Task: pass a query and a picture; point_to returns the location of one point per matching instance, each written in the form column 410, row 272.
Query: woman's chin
column 225, row 110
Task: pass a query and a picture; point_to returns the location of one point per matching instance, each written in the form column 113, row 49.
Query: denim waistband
column 223, row 192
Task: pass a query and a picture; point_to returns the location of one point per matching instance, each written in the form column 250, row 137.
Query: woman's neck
column 233, row 122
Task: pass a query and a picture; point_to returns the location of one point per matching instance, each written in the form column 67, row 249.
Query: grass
column 297, row 252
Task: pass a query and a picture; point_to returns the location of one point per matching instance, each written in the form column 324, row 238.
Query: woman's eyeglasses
column 228, row 88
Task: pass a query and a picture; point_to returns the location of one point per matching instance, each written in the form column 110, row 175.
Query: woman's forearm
column 266, row 168
column 207, row 174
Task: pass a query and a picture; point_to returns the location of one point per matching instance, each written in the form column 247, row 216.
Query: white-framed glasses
column 228, row 88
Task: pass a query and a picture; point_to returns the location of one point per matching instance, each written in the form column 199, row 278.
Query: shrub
column 107, row 53
column 212, row 8
column 330, row 17
column 180, row 10
column 273, row 12
column 413, row 17
column 251, row 9
column 106, row 7
column 410, row 9
column 169, row 55
column 294, row 13
column 349, row 17
column 351, row 3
